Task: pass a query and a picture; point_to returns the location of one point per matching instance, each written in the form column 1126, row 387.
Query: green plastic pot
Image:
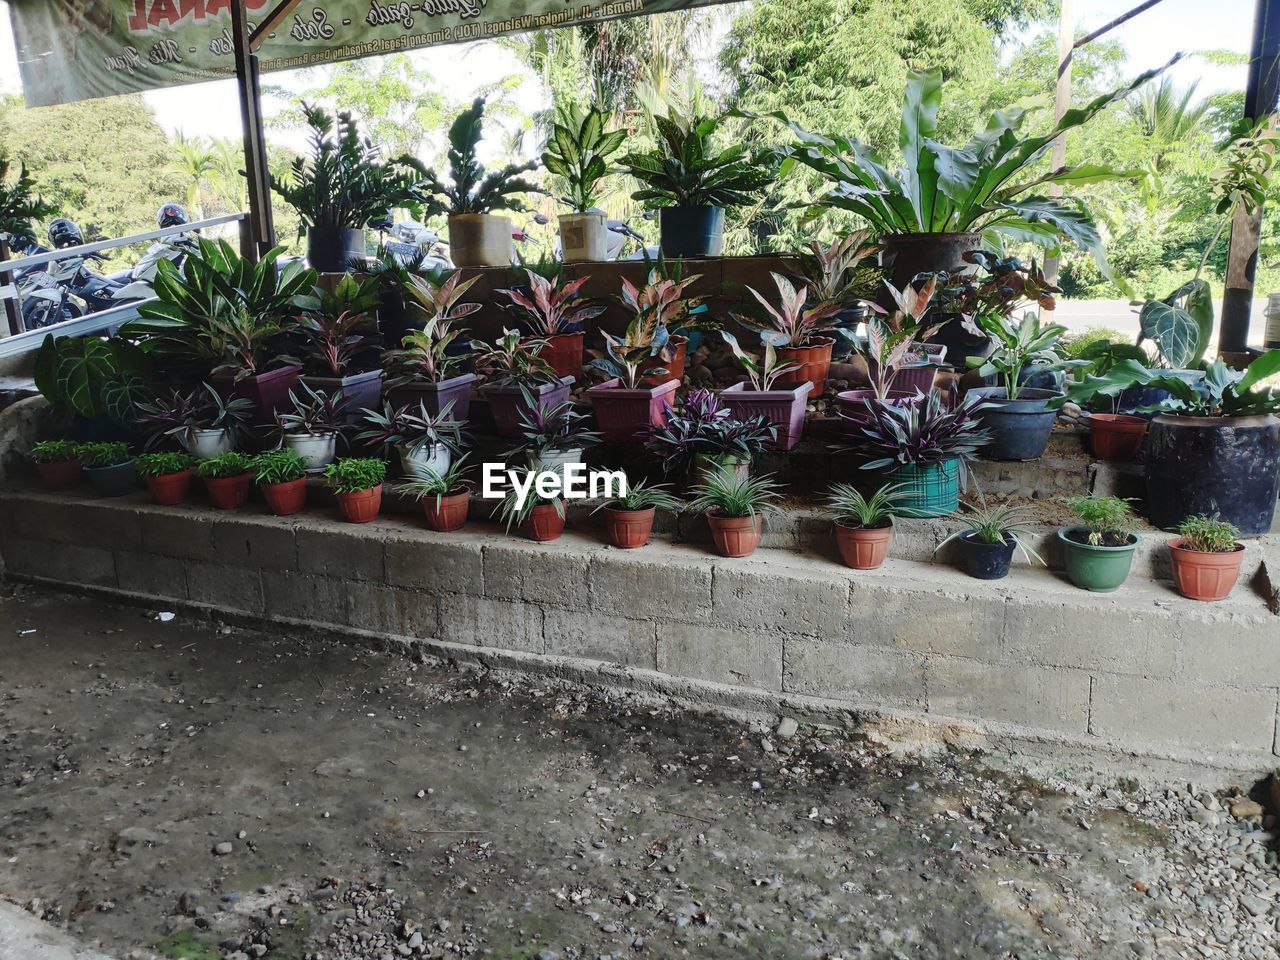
column 1099, row 569
column 929, row 490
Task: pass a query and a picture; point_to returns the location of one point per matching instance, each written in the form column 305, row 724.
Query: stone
column 787, row 728
column 223, row 849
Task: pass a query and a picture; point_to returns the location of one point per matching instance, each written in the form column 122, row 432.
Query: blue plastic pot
column 1019, row 428
column 691, row 231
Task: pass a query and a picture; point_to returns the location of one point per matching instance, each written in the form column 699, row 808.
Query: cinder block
column 263, row 542
column 182, row 533
column 64, row 562
column 490, row 623
column 540, row 573
column 1091, row 635
column 574, row 633
column 651, row 584
column 150, row 575
column 89, row 523
column 922, row 621
column 1241, row 650
column 750, row 658
column 435, row 565
column 348, row 552
column 775, row 597
column 1183, row 712
column 392, row 610
column 301, row 597
column 853, row 671
column 236, row 588
column 1045, row 697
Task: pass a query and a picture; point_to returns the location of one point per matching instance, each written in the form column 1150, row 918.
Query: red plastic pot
column 625, row 416
column 675, row 367
column 814, row 364
column 450, row 513
column 360, row 506
column 170, row 489
column 564, row 353
column 1116, row 437
column 228, row 493
column 285, row 499
column 63, row 475
column 735, row 536
column 863, row 548
column 782, row 408
column 544, row 523
column 1198, row 575
column 628, row 529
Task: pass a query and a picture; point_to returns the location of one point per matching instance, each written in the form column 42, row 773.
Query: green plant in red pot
column 445, row 497
column 226, row 478
column 628, row 520
column 736, row 508
column 1206, row 558
column 57, row 464
column 539, row 517
column 864, row 524
column 555, row 312
column 281, row 475
column 168, row 476
column 356, row 483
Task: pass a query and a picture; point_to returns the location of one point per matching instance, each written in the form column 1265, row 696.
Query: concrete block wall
column 1030, row 658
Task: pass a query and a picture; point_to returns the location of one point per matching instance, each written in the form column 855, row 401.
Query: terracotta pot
column 285, row 499
column 170, row 489
column 228, row 493
column 564, row 353
column 360, row 506
column 625, row 416
column 1205, row 576
column 63, row 475
column 863, row 548
column 628, row 529
column 814, row 360
column 449, row 513
column 675, row 367
column 544, row 523
column 1116, row 437
column 735, row 536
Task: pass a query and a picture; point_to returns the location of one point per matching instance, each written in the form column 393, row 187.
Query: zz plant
column 687, row 170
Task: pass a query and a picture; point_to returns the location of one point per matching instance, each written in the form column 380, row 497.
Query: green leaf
column 1267, row 365
column 1181, row 324
column 920, row 103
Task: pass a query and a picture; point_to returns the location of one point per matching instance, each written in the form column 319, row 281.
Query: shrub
column 162, row 464
column 354, row 474
column 1106, row 518
column 224, row 465
column 54, row 451
column 642, row 496
column 103, row 454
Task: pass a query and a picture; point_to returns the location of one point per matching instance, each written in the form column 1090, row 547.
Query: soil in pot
column 64, row 475
column 1115, row 437
column 1019, row 428
column 448, row 513
column 735, row 536
column 1200, row 575
column 813, row 364
column 113, row 481
column 285, row 499
column 228, row 493
column 544, row 523
column 1100, row 569
column 360, row 506
column 628, row 529
column 985, row 561
column 691, row 231
column 170, row 489
column 863, row 548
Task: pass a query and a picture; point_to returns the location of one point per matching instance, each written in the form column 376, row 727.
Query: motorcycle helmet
column 63, row 233
column 172, row 215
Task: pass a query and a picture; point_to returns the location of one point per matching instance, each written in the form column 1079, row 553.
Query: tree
column 193, row 160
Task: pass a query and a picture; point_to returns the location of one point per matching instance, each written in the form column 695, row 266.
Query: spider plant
column 515, row 511
column 726, row 494
column 641, row 496
column 428, row 483
column 998, row 524
column 850, row 507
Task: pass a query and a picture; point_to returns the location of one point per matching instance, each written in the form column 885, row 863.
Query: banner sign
column 81, row 49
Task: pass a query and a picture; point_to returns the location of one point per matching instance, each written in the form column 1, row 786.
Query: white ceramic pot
column 203, row 444
column 584, row 237
column 480, row 240
column 427, row 457
column 318, row 448
column 555, row 459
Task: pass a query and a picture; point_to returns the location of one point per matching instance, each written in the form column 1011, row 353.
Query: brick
column 853, row 671
column 235, row 588
column 1044, row 697
column 773, row 597
column 538, row 573
column 179, row 533
column 150, row 575
column 347, row 552
column 436, row 565
column 598, row 637
column 1181, row 712
column 392, row 610
column 724, row 655
column 264, row 542
column 655, row 585
column 64, row 562
column 301, row 597
column 490, row 623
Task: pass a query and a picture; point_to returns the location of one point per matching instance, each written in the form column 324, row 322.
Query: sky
column 1150, row 39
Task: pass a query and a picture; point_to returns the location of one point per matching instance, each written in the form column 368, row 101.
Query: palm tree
column 194, row 160
column 228, row 172
column 1167, row 116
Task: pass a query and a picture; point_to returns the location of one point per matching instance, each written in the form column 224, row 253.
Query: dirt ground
column 185, row 789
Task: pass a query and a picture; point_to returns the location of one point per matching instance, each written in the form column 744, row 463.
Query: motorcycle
column 414, row 245
column 138, row 283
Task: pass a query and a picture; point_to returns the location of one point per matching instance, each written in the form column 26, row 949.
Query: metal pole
column 1062, row 103
column 259, row 234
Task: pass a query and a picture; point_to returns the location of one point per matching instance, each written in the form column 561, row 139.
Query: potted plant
column 701, row 435
column 109, row 467
column 554, row 313
column 759, row 396
column 515, row 370
column 226, row 479
column 691, row 183
column 628, row 520
column 340, row 187
column 96, row 383
column 281, row 475
column 427, row 368
column 478, row 237
column 445, row 497
column 1206, row 558
column 735, row 507
column 836, row 272
column 864, row 525
column 663, row 302
column 626, row 409
column 924, row 445
column 990, row 536
column 57, row 464
column 551, row 438
column 336, row 335
column 540, row 518
column 578, row 151
column 1099, row 550
column 356, row 483
column 315, row 426
column 424, row 443
column 168, row 476
column 794, row 331
column 201, row 420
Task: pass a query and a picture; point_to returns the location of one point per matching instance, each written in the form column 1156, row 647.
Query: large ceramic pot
column 626, row 416
column 691, row 231
column 784, row 409
column 361, row 391
column 332, row 249
column 813, row 363
column 1019, row 428
column 436, row 396
column 863, row 548
column 480, row 240
column 318, row 449
column 507, row 402
column 1229, row 466
column 584, row 237
column 1100, row 569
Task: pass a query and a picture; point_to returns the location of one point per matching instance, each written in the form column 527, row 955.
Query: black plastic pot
column 1019, row 428
column 691, row 231
column 331, row 250
column 1229, row 466
column 985, row 561
column 113, row 481
column 394, row 319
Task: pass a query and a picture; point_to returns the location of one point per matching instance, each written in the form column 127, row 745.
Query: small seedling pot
column 985, row 561
column 735, row 536
column 285, row 499
column 115, row 480
column 1099, row 569
column 628, row 529
column 544, row 523
column 450, row 513
column 170, row 489
column 228, row 493
column 863, row 548
column 1115, row 437
column 360, row 506
column 1199, row 575
column 63, row 475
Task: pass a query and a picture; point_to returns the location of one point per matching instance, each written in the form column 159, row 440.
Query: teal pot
column 1099, row 569
column 929, row 490
column 691, row 231
column 985, row 561
column 113, row 481
column 1019, row 428
column 332, row 249
column 1229, row 466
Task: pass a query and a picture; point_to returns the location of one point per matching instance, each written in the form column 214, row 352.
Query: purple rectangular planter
column 625, row 416
column 783, row 408
column 507, row 402
column 436, row 396
column 362, row 391
column 269, row 392
column 916, row 377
